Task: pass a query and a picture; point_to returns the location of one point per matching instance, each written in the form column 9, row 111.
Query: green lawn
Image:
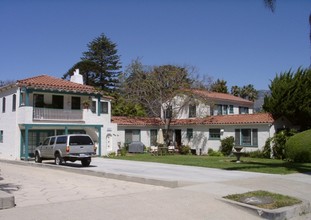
column 227, row 163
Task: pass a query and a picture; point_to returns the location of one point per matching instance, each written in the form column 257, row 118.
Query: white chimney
column 77, row 77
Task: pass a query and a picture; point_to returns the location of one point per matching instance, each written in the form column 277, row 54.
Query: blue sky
column 239, row 41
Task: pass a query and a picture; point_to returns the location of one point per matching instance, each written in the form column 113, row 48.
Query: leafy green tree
column 155, row 89
column 88, row 69
column 101, row 64
column 235, row 90
column 245, row 92
column 219, row 86
column 291, row 97
column 122, row 107
column 249, row 92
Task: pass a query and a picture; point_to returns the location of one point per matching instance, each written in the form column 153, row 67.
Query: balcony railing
column 57, row 114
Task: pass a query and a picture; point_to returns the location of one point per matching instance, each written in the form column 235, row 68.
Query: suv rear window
column 80, row 140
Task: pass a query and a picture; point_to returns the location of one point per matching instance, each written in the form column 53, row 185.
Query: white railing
column 57, row 114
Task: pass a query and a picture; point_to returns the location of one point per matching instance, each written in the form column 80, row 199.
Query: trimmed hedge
column 298, row 147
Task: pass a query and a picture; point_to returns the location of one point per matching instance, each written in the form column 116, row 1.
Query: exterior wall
column 202, row 141
column 8, row 119
column 12, row 123
column 203, row 109
column 144, row 134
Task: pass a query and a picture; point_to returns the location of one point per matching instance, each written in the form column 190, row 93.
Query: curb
column 7, row 200
column 122, row 177
column 283, row 213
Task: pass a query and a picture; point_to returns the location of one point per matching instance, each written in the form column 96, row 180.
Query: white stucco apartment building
column 34, row 108
column 203, row 121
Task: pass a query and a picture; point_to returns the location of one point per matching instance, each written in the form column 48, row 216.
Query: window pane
column 104, row 107
column 58, row 101
column 231, row 109
column 93, row 108
column 128, row 136
column 189, row 133
column 255, row 137
column 246, row 136
column 214, row 133
column 225, row 110
column 38, row 100
column 153, row 137
column 1, row 136
column 3, row 104
column 75, row 103
column 237, row 137
column 136, row 135
column 192, row 111
column 80, row 140
column 14, row 103
column 219, row 107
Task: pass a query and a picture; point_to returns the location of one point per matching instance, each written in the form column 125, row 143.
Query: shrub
column 185, row 150
column 123, row 151
column 211, row 152
column 255, row 154
column 279, row 140
column 112, row 154
column 267, row 149
column 298, row 147
column 226, row 145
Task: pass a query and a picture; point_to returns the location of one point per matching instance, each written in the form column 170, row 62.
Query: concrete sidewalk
column 203, row 183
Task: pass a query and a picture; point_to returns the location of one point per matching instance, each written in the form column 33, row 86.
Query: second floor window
column 38, row 100
column 75, row 103
column 1, row 136
column 243, row 110
column 93, row 107
column 104, row 107
column 231, row 109
column 168, row 112
column 14, row 103
column 3, row 104
column 58, row 101
column 192, row 111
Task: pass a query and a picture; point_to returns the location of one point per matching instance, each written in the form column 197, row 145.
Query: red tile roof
column 260, row 118
column 46, row 82
column 122, row 120
column 220, row 96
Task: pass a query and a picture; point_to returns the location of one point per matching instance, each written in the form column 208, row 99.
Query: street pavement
column 118, row 189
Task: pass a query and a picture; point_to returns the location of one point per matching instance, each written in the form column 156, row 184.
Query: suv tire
column 86, row 162
column 58, row 159
column 38, row 159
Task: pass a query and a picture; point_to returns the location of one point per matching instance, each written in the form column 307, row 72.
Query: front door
column 178, row 138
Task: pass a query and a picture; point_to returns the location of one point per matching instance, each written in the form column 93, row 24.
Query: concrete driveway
column 172, row 192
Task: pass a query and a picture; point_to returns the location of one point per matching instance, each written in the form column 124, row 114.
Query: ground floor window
column 189, row 133
column 214, row 134
column 246, row 137
column 153, row 137
column 131, row 135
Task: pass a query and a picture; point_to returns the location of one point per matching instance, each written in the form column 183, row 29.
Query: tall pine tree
column 101, row 64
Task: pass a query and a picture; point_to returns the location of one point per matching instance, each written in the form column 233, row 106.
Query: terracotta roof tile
column 121, row 120
column 260, row 118
column 52, row 83
column 220, row 96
